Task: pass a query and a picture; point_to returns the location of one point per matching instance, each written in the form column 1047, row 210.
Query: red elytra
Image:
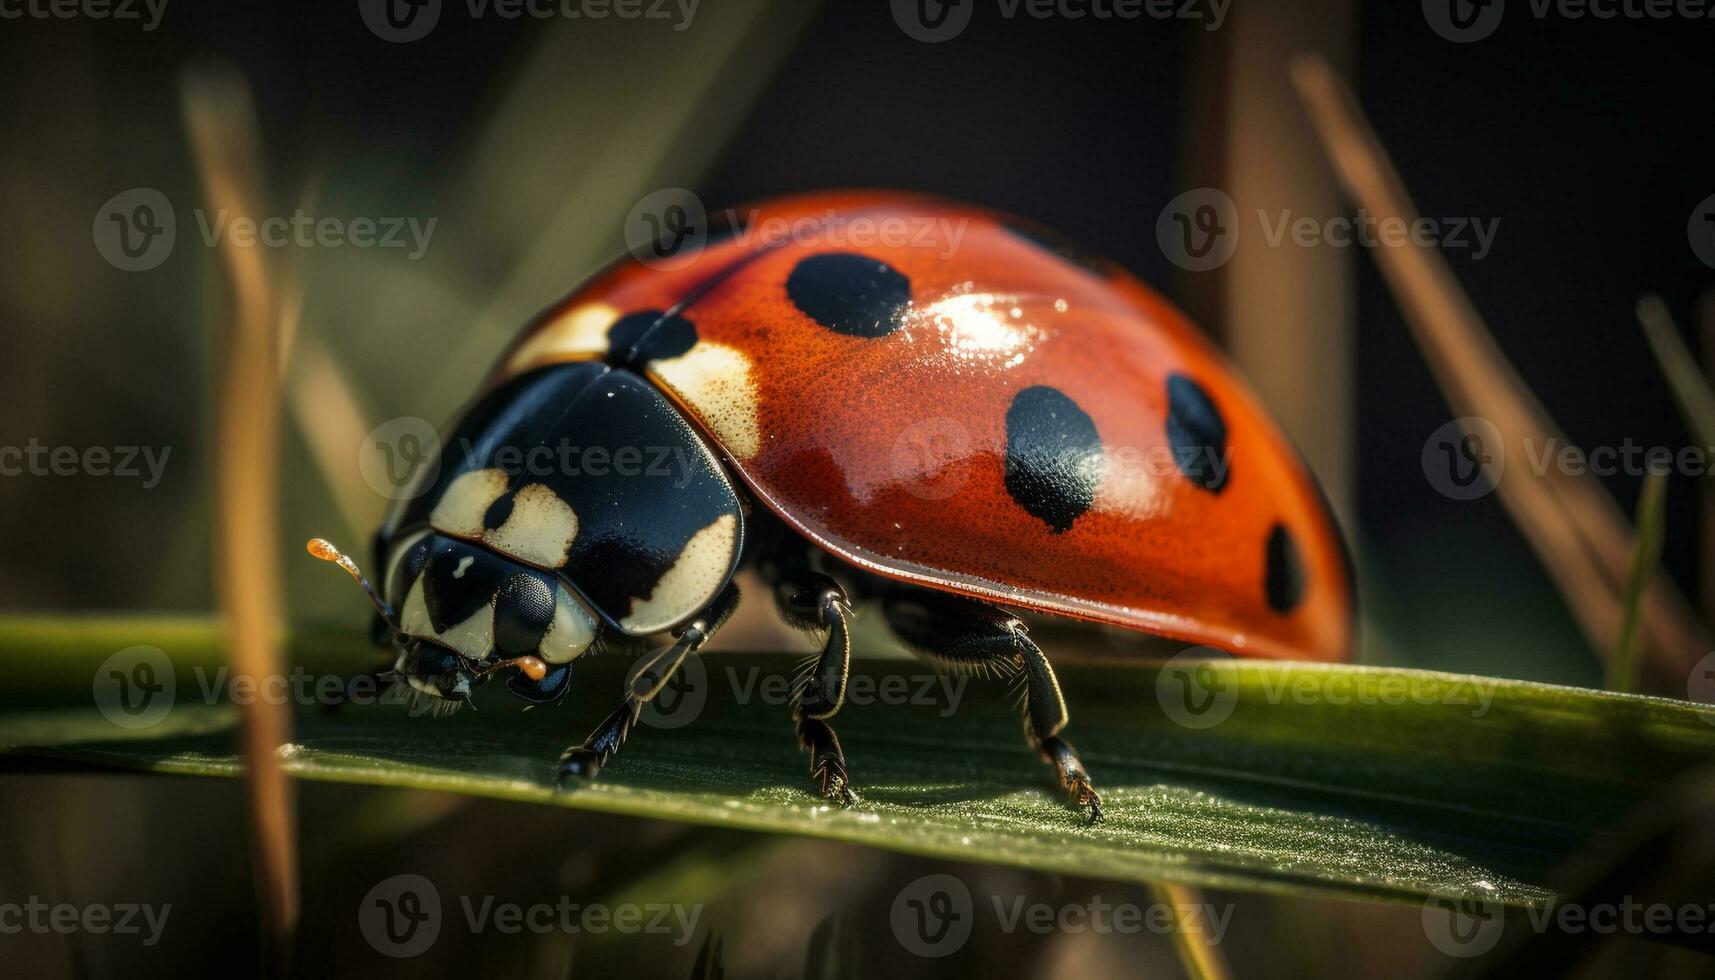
column 1193, row 518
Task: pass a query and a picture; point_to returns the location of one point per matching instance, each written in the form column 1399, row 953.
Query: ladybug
column 955, row 424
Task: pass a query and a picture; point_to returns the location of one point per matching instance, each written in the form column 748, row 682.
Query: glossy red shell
column 890, row 451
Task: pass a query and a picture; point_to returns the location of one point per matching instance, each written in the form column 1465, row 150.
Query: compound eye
column 523, row 608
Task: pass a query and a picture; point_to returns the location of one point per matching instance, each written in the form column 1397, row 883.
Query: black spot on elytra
column 850, row 294
column 1284, row 580
column 497, row 514
column 523, row 608
column 649, row 335
column 1054, row 457
column 1197, row 434
column 1058, row 245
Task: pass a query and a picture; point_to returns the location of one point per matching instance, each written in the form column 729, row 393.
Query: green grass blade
column 1334, row 780
column 1622, row 673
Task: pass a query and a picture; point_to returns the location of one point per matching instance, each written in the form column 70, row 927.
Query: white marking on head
column 464, row 563
column 579, row 332
column 540, row 529
column 467, row 498
column 698, row 572
column 474, row 638
column 716, row 381
column 572, row 631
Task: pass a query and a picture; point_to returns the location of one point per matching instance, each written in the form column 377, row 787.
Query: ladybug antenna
column 324, row 549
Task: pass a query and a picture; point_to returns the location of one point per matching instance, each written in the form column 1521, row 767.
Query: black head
column 459, row 615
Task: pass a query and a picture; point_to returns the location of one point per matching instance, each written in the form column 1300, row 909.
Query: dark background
column 1589, row 140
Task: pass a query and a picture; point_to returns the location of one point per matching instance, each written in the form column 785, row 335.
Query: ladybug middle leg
column 816, row 604
column 585, row 761
column 960, row 634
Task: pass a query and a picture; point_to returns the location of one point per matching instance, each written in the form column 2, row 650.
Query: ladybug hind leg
column 585, row 761
column 957, row 634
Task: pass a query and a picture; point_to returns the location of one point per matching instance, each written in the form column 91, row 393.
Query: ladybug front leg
column 964, row 635
column 586, row 760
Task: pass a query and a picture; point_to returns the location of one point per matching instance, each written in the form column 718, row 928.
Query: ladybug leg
column 585, row 761
column 816, row 602
column 964, row 635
